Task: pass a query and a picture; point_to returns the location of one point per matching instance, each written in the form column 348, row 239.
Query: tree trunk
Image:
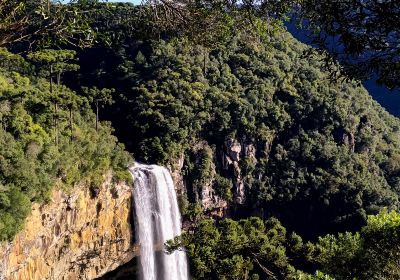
column 56, row 106
column 97, row 115
column 71, row 121
column 51, row 93
column 205, row 60
column 51, row 79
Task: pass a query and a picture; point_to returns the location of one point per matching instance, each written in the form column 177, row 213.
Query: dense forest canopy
column 363, row 35
column 327, row 153
column 256, row 249
column 320, row 144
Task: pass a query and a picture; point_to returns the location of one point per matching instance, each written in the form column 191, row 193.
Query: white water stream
column 157, row 219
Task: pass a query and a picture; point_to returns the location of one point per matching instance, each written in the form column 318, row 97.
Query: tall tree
column 99, row 98
column 55, row 63
column 62, row 67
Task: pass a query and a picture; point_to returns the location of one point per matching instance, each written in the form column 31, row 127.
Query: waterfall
column 157, row 219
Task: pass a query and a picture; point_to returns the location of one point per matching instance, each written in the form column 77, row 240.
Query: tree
column 99, row 97
column 32, row 22
column 373, row 253
column 55, row 62
column 211, row 23
column 31, row 164
column 245, row 249
column 362, row 35
column 61, row 67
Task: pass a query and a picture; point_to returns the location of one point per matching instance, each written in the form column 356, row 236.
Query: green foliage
column 246, row 249
column 200, row 168
column 103, row 96
column 254, row 249
column 49, row 56
column 371, row 254
column 317, row 276
column 325, row 155
column 223, row 187
column 31, row 23
column 192, row 212
column 211, row 23
column 14, row 207
column 31, row 163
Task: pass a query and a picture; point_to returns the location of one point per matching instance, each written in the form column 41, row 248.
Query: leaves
column 324, row 152
column 30, row 162
column 371, row 254
column 244, row 249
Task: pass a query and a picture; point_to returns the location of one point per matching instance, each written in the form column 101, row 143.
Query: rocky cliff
column 215, row 176
column 81, row 234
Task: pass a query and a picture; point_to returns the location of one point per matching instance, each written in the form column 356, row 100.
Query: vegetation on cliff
column 48, row 138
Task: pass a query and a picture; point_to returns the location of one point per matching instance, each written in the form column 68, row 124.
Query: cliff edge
column 81, row 234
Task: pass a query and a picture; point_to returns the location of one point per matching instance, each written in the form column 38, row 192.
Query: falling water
column 157, row 220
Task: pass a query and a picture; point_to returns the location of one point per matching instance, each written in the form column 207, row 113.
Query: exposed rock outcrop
column 75, row 236
column 212, row 204
column 176, row 173
column 234, row 153
column 233, row 148
column 212, row 168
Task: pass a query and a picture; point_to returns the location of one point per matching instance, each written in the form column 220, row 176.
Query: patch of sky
column 389, row 99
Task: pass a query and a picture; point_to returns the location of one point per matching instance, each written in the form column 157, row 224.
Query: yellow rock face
column 75, row 236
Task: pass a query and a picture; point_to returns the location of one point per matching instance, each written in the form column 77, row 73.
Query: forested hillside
column 48, row 138
column 323, row 155
column 326, row 152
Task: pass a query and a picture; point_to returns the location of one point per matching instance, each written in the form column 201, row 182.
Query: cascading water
column 157, row 220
